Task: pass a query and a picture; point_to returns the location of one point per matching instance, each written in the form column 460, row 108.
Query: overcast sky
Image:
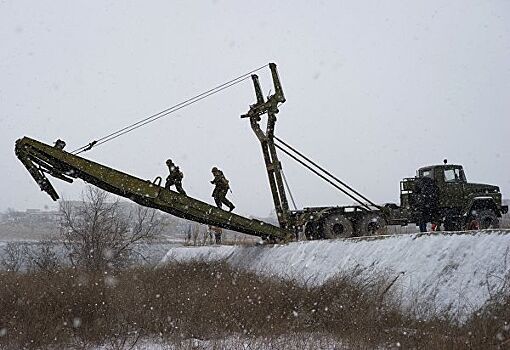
column 375, row 89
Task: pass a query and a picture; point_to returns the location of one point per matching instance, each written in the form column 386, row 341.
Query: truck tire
column 452, row 225
column 372, row 224
column 337, row 226
column 487, row 219
column 312, row 230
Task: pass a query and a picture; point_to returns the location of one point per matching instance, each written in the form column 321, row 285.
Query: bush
column 213, row 301
column 99, row 235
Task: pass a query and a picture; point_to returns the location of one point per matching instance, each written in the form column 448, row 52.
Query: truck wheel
column 452, row 225
column 372, row 224
column 487, row 219
column 312, row 230
column 337, row 226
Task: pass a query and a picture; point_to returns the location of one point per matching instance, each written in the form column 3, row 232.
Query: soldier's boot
column 229, row 204
column 179, row 189
column 218, row 202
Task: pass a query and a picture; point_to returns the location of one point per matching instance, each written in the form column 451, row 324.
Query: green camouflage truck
column 439, row 194
column 442, row 194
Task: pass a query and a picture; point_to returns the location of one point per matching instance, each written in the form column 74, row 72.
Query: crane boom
column 40, row 159
column 266, row 139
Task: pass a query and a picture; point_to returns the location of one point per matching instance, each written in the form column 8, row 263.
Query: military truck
column 439, row 194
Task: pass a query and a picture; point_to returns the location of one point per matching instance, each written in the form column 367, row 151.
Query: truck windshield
column 426, row 173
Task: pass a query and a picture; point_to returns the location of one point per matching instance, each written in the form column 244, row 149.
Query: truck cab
column 442, row 193
column 451, row 182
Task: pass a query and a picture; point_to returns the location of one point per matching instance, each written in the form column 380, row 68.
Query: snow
column 207, row 253
column 293, row 341
column 453, row 272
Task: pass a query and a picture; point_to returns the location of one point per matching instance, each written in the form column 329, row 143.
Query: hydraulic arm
column 266, row 139
column 41, row 159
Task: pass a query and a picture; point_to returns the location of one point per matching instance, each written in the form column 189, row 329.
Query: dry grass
column 213, row 302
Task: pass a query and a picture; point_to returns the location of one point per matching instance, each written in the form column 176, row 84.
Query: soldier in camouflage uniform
column 174, row 178
column 220, row 190
column 427, row 202
column 217, row 233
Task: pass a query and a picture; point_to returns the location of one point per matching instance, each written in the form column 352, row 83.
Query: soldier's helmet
column 169, row 162
column 59, row 144
column 215, row 170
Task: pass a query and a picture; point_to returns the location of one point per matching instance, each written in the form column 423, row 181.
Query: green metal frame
column 273, row 165
column 40, row 159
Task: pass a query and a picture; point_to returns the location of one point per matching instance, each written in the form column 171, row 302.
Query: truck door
column 452, row 190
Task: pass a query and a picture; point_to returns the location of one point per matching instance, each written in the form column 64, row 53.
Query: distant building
column 31, row 216
column 38, row 215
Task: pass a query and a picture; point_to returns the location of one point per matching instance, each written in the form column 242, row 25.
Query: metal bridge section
column 41, row 159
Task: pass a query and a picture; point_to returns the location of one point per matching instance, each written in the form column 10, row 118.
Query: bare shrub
column 99, row 235
column 491, row 324
column 43, row 256
column 13, row 257
column 206, row 303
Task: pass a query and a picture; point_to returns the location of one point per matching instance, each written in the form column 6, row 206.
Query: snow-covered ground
column 300, row 341
column 453, row 272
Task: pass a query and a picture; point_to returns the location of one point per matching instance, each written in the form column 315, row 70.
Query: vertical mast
column 273, row 165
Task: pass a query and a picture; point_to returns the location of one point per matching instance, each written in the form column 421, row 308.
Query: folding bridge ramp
column 40, row 159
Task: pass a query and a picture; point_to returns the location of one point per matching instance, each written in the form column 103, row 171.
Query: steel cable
column 321, row 176
column 282, row 144
column 166, row 112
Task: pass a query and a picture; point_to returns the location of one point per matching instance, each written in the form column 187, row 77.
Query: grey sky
column 375, row 89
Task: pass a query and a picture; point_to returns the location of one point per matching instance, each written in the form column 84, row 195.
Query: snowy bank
column 454, row 272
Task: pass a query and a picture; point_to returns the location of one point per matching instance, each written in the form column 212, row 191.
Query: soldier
column 220, row 190
column 174, row 178
column 427, row 201
column 59, row 144
column 217, row 233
